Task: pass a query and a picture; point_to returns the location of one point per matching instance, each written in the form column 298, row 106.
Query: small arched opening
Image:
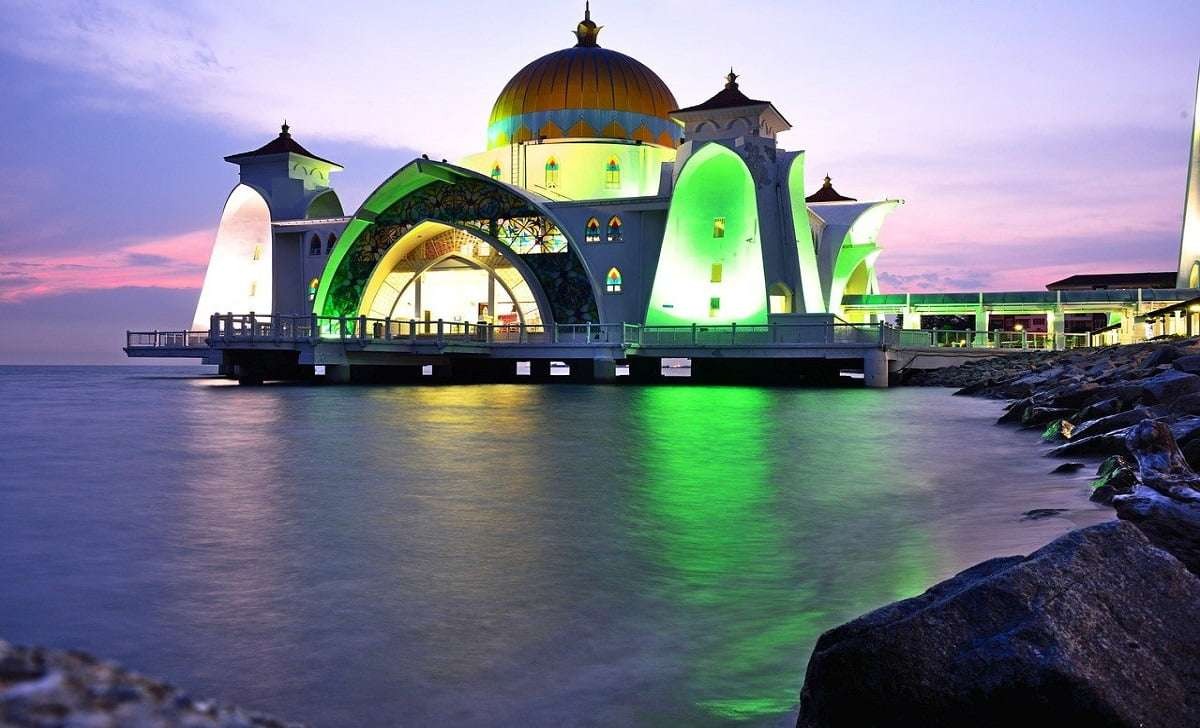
column 779, row 298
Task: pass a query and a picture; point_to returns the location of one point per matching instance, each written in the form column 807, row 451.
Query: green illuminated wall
column 806, row 251
column 715, row 183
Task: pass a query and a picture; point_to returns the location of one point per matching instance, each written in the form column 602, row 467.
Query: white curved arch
column 238, row 278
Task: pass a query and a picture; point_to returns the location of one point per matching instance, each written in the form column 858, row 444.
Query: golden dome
column 584, row 91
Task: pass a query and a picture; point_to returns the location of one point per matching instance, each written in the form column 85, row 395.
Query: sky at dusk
column 1029, row 140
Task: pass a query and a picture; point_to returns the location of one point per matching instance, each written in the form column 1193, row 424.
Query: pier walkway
column 271, row 345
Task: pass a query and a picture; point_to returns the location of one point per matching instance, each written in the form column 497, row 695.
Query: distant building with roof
column 1101, row 281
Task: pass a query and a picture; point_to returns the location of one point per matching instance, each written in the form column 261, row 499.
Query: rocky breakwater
column 42, row 688
column 1096, row 628
column 1087, row 401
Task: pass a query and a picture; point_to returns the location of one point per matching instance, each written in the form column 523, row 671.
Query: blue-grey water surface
column 490, row 555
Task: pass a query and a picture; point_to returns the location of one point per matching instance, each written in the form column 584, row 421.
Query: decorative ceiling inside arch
column 487, row 209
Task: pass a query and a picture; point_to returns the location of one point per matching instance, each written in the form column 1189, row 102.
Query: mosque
column 606, row 222
column 599, row 199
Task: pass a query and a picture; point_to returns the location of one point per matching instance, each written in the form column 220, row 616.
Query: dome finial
column 283, row 130
column 731, row 79
column 828, row 181
column 587, row 31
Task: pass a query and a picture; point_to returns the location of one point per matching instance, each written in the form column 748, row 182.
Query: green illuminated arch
column 712, row 250
column 428, row 192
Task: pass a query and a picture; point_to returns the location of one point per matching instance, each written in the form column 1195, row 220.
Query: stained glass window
column 312, row 288
column 551, row 173
column 592, row 233
column 719, row 227
column 613, row 281
column 612, row 173
column 614, row 229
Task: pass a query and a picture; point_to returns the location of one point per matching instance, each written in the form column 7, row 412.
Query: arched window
column 257, row 252
column 612, row 283
column 312, row 289
column 495, row 170
column 314, row 245
column 614, row 229
column 1194, row 275
column 551, row 173
column 592, row 233
column 612, row 174
column 329, row 243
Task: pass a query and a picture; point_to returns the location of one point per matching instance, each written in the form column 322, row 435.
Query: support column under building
column 875, row 369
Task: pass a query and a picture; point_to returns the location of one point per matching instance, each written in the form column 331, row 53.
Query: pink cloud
column 175, row 262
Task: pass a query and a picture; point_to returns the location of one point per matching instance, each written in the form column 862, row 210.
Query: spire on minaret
column 283, row 130
column 587, row 31
column 731, row 79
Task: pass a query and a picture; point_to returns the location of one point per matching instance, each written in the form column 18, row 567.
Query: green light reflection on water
column 718, row 535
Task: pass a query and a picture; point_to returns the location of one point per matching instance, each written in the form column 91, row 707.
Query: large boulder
column 1096, row 410
column 1169, row 385
column 1096, row 628
column 1111, row 423
column 1161, row 465
column 1158, row 357
column 1189, row 363
column 1170, row 524
column 1188, row 404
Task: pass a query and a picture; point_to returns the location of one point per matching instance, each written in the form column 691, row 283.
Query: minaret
column 1189, row 241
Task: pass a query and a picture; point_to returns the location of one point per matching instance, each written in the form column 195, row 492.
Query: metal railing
column 166, row 339
column 283, row 329
column 943, row 338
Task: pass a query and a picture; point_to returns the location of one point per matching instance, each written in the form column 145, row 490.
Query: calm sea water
column 491, row 555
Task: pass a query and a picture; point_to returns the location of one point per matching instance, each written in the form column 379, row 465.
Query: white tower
column 1189, row 242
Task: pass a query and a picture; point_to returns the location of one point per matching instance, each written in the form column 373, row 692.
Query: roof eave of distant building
column 1147, row 279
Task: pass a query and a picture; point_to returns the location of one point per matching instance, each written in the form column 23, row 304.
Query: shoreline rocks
column 1095, row 628
column 44, row 688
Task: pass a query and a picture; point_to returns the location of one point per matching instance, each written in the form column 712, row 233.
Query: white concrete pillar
column 1056, row 328
column 912, row 319
column 981, row 327
column 875, row 369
